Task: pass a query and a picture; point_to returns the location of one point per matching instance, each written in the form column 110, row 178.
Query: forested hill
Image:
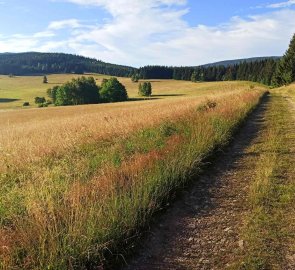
column 228, row 63
column 32, row 63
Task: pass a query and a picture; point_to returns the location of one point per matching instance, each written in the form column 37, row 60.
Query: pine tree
column 285, row 73
column 194, row 77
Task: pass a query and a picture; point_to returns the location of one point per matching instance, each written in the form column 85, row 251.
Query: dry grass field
column 17, row 90
column 28, row 134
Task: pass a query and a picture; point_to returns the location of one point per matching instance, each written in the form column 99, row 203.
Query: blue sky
column 140, row 32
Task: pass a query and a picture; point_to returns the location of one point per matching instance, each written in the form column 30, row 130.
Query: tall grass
column 70, row 210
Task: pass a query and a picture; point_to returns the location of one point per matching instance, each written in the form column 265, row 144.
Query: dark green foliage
column 113, row 91
column 156, row 72
column 40, row 100
column 45, row 80
column 259, row 71
column 285, row 72
column 51, row 92
column 49, row 63
column 194, row 77
column 26, row 104
column 145, row 89
column 76, row 92
column 135, row 78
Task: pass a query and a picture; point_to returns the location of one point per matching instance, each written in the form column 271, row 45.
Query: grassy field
column 17, row 90
column 77, row 182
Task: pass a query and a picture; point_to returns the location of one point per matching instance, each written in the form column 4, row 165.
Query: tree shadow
column 6, row 100
column 142, row 99
column 169, row 95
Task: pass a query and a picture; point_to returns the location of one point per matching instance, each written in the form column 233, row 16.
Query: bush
column 113, row 91
column 26, row 104
column 40, row 100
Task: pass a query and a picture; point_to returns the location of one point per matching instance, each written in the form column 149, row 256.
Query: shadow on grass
column 169, row 95
column 142, row 99
column 6, row 100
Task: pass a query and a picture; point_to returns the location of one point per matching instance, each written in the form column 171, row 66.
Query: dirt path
column 201, row 230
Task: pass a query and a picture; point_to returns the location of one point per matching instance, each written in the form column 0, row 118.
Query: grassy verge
column 270, row 227
column 70, row 211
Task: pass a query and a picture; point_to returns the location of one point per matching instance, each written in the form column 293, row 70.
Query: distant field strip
column 71, row 208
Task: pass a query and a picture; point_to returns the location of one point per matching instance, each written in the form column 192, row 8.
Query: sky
column 149, row 32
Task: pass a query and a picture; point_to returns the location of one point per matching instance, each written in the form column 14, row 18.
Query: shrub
column 26, row 104
column 40, row 100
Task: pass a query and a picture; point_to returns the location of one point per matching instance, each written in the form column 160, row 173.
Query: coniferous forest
column 33, row 63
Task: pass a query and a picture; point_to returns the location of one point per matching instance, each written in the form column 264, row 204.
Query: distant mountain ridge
column 34, row 63
column 227, row 63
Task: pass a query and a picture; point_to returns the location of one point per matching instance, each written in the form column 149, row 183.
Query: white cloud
column 282, row 4
column 144, row 32
column 72, row 23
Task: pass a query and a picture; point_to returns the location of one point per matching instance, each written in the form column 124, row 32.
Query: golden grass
column 26, row 135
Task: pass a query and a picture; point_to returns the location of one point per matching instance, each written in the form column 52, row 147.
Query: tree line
column 259, row 71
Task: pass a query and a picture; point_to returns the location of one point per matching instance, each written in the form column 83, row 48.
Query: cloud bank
column 142, row 32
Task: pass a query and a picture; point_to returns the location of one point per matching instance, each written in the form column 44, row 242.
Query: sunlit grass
column 68, row 208
column 17, row 90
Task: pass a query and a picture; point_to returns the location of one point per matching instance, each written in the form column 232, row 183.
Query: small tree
column 285, row 72
column 45, row 80
column 113, row 91
column 145, row 89
column 135, row 78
